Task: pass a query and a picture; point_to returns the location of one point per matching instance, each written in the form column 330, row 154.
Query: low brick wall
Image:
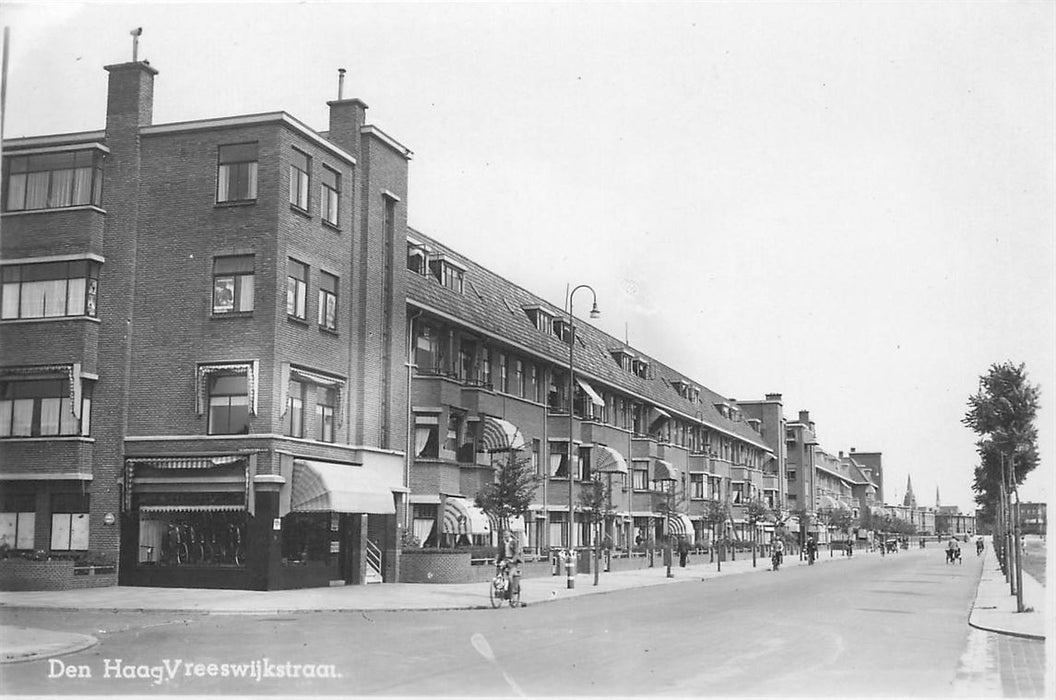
column 56, row 575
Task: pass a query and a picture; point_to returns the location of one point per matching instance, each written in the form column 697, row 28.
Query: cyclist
column 509, row 560
column 779, row 554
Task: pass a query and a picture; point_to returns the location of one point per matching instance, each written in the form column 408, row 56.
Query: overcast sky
column 851, row 205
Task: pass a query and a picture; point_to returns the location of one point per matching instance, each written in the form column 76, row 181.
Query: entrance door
column 351, row 530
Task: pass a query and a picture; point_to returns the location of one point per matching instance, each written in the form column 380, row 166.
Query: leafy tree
column 755, row 512
column 595, row 501
column 842, row 520
column 1002, row 413
column 802, row 516
column 716, row 513
column 511, row 492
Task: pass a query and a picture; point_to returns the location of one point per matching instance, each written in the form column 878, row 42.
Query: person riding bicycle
column 779, row 552
column 979, row 546
column 812, row 550
column 953, row 550
column 509, row 559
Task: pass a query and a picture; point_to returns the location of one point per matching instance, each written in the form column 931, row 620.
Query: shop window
column 69, row 522
column 54, row 180
column 236, row 175
column 330, row 198
column 233, row 278
column 228, row 404
column 296, row 289
column 426, row 436
column 172, row 535
column 327, row 301
column 300, row 167
column 306, row 538
column 17, row 520
column 50, row 289
column 293, row 424
column 325, row 404
column 42, row 408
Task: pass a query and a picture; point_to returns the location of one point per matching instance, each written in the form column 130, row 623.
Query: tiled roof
column 496, row 306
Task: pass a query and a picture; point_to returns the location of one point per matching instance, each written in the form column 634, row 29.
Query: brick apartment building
column 202, row 347
column 227, row 361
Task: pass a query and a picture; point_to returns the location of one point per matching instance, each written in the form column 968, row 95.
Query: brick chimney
column 773, row 397
column 346, row 119
column 130, row 95
column 804, row 417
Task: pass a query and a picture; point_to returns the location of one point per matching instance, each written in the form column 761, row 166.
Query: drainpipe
column 411, row 366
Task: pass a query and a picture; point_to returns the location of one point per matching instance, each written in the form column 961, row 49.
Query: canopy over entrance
column 341, row 488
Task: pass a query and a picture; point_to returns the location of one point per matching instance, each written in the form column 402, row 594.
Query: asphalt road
column 870, row 626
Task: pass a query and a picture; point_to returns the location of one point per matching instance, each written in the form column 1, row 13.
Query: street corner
column 31, row 644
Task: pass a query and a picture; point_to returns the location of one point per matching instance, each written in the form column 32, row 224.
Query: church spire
column 910, row 500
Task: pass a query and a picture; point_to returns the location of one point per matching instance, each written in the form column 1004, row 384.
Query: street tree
column 755, row 512
column 511, row 492
column 803, row 517
column 595, row 502
column 715, row 514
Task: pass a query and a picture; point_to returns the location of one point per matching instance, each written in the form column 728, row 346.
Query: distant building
column 1033, row 518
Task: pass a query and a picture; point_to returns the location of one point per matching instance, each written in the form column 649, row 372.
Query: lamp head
column 594, row 312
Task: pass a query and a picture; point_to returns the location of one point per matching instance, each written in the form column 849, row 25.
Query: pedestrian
column 683, row 551
column 510, row 557
column 850, row 548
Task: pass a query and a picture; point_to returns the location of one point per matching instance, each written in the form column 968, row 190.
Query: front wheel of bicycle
column 495, row 592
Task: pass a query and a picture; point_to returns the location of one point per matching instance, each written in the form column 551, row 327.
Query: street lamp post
column 594, row 313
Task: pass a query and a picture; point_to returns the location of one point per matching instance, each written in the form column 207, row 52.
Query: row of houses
column 226, row 360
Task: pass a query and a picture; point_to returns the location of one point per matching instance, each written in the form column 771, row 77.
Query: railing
column 373, row 562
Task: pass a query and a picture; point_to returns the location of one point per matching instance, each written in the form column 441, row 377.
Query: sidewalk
column 994, row 609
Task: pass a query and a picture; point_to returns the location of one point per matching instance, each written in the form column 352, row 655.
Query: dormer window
column 622, row 357
column 447, row 272
column 562, row 329
column 417, row 254
column 542, row 319
column 640, row 368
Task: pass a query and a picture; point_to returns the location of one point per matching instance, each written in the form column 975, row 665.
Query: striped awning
column 607, row 460
column 827, row 502
column 339, row 488
column 664, row 471
column 679, row 525
column 192, row 509
column 498, row 435
column 589, row 390
column 207, row 462
column 463, row 518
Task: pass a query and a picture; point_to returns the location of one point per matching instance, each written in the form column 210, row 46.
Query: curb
column 80, row 643
column 1007, row 633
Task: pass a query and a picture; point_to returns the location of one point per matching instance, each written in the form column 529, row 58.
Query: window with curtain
column 325, row 405
column 228, row 404
column 640, row 476
column 330, row 195
column 236, row 176
column 426, row 436
column 427, row 349
column 328, row 301
column 559, row 460
column 696, row 486
column 53, row 180
column 50, row 290
column 300, row 179
column 296, row 289
column 42, row 408
column 293, row 424
column 233, row 278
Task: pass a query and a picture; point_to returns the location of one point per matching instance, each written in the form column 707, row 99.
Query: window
column 426, row 436
column 233, row 284
column 537, row 384
column 296, row 289
column 583, row 464
column 559, row 460
column 447, row 273
column 69, row 521
column 50, row 290
column 330, row 196
column 325, row 404
column 791, row 473
column 640, row 476
column 454, row 431
column 54, row 180
column 42, row 408
column 518, row 378
column 228, row 404
column 327, row 301
column 696, row 486
column 737, row 492
column 236, row 173
column 537, row 448
column 427, row 349
column 17, row 520
column 293, row 423
column 504, row 374
column 300, row 166
column 416, row 258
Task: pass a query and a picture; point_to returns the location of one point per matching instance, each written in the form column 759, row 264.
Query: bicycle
column 502, row 589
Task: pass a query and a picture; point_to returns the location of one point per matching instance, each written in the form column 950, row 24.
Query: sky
column 848, row 204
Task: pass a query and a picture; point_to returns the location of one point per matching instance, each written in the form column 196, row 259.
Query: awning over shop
column 589, row 390
column 679, row 524
column 664, row 471
column 341, row 488
column 185, row 462
column 463, row 518
column 608, row 461
column 499, row 435
column 218, row 508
